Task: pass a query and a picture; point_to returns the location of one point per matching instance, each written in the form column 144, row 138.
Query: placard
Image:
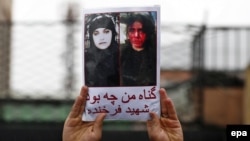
column 121, row 62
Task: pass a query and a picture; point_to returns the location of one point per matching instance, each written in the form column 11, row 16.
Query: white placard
column 121, row 62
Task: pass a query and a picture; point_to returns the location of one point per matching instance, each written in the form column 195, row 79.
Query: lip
column 136, row 42
column 101, row 43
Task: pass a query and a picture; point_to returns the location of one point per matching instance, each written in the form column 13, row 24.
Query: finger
column 78, row 105
column 84, row 91
column 153, row 124
column 75, row 110
column 172, row 114
column 97, row 128
column 163, row 101
column 84, row 94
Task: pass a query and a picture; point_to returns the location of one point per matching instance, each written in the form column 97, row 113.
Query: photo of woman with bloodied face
column 138, row 53
column 101, row 51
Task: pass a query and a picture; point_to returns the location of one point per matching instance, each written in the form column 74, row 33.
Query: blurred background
column 205, row 48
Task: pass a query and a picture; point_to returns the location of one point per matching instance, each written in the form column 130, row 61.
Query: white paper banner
column 121, row 62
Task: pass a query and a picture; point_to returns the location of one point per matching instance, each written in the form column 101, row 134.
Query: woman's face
column 136, row 36
column 102, row 37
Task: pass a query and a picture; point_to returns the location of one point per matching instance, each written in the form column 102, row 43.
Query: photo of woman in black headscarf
column 101, row 51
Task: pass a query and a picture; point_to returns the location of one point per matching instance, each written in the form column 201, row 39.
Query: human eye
column 141, row 31
column 131, row 30
column 95, row 33
column 106, row 31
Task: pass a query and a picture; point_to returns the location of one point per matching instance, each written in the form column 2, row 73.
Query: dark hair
column 102, row 21
column 148, row 26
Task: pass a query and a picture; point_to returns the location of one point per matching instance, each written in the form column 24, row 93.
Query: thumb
column 97, row 127
column 153, row 124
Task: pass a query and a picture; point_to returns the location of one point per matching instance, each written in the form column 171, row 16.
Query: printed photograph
column 101, row 48
column 120, row 49
column 138, row 48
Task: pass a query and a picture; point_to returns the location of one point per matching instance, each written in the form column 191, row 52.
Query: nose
column 136, row 34
column 102, row 37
